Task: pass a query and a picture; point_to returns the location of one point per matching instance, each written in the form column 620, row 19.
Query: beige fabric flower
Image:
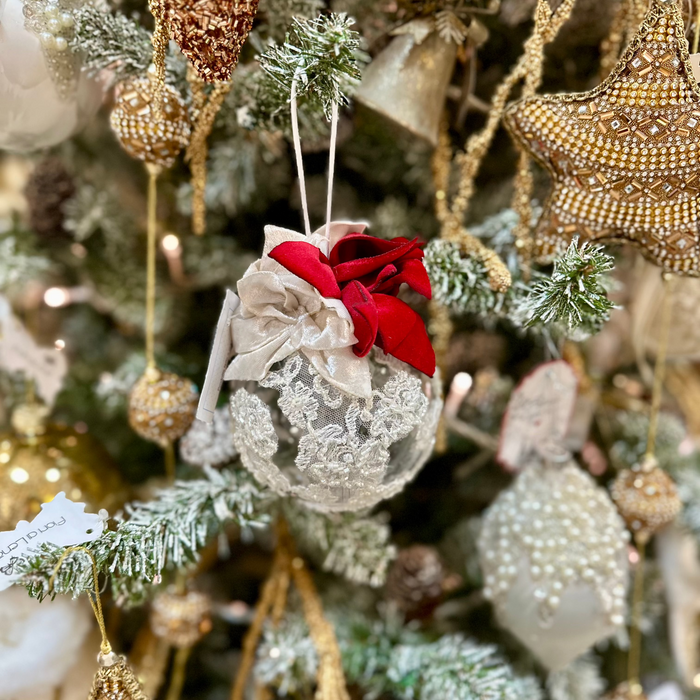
column 280, row 314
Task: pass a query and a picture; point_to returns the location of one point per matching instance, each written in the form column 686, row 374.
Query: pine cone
column 418, row 581
column 49, row 187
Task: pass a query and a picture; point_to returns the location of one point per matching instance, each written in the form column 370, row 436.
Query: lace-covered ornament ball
column 553, row 550
column 303, row 437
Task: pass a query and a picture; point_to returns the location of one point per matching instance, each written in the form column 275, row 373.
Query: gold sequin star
column 624, row 156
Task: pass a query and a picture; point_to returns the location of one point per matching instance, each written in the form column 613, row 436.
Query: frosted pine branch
column 166, row 533
column 111, row 41
column 116, row 43
column 462, row 284
column 575, row 296
column 19, row 260
column 580, row 680
column 322, row 55
column 382, row 656
column 355, row 547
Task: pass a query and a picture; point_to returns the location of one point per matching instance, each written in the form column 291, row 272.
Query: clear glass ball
column 303, row 437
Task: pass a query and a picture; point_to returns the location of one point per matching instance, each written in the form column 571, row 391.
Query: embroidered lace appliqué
column 333, row 450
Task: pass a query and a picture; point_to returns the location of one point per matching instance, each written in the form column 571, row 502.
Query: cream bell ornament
column 407, row 82
column 44, row 96
column 340, row 403
column 553, row 548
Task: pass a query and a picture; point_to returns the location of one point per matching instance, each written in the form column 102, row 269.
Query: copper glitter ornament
column 211, row 33
column 181, row 619
column 162, row 406
column 647, row 499
column 142, row 136
column 624, row 156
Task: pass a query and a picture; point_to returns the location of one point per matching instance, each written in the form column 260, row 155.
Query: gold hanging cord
column 288, row 566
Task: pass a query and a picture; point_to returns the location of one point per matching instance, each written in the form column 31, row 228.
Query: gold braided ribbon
column 151, row 234
column 159, row 39
column 451, row 216
column 629, row 14
column 205, row 110
column 93, row 596
column 287, row 566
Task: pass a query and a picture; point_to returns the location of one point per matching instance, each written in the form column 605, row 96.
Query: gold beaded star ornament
column 624, row 156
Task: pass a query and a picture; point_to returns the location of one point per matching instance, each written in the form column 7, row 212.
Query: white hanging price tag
column 695, row 64
column 19, row 352
column 220, row 355
column 61, row 522
column 538, row 416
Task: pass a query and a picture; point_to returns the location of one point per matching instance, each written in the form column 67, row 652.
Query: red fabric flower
column 365, row 273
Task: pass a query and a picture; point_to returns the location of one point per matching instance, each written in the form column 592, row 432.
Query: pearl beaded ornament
column 46, row 97
column 553, row 546
column 53, row 23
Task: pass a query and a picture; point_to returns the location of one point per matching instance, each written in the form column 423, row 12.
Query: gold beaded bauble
column 39, row 459
column 181, row 619
column 647, row 499
column 624, row 692
column 162, row 406
column 157, row 142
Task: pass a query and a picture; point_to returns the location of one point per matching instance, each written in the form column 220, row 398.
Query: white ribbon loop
column 300, row 162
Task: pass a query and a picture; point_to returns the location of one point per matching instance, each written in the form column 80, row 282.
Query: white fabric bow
column 280, row 314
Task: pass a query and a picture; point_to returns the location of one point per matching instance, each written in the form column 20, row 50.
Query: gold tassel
column 452, row 214
column 197, row 150
column 114, row 680
column 528, row 68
